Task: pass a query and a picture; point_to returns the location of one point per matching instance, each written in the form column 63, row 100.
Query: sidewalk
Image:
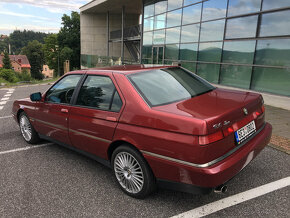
column 280, row 120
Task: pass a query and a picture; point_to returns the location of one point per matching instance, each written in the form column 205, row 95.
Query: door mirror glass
column 35, row 96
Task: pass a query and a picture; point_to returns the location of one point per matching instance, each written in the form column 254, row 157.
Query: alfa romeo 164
column 154, row 126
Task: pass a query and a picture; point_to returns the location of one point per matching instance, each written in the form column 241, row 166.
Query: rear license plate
column 245, row 132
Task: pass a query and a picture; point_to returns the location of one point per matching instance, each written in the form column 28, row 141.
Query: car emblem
column 245, row 111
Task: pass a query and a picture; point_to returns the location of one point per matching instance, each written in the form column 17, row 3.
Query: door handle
column 64, row 110
column 113, row 119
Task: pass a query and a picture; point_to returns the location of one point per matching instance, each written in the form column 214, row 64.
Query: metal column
column 122, row 40
column 108, row 34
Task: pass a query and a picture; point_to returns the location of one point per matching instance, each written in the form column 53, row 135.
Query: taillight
column 263, row 109
column 207, row 139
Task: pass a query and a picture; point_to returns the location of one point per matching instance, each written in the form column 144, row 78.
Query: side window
column 98, row 92
column 62, row 91
column 116, row 103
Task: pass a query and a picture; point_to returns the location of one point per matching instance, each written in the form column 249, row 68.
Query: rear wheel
column 132, row 172
column 28, row 132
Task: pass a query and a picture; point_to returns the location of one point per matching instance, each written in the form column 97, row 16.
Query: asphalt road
column 53, row 181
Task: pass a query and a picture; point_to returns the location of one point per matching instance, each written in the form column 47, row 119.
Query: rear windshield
column 165, row 86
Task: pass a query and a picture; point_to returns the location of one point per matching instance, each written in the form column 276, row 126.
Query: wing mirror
column 35, row 96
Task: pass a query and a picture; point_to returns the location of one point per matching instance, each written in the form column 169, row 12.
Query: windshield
column 165, row 86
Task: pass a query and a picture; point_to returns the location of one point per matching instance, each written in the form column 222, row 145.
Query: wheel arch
column 18, row 114
column 118, row 143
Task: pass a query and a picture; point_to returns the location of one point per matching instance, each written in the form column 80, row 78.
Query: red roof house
column 18, row 62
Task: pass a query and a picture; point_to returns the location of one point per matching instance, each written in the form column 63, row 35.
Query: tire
column 132, row 172
column 27, row 131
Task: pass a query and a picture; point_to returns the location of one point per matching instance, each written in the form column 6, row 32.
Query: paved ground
column 54, row 181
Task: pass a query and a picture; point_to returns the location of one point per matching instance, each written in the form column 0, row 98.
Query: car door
column 53, row 112
column 94, row 115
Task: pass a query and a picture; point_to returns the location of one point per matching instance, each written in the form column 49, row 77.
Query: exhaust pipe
column 221, row 189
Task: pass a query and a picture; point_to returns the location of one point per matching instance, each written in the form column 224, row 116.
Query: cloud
column 23, row 15
column 51, row 5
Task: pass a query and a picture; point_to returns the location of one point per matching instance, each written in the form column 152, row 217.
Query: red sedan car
column 154, row 126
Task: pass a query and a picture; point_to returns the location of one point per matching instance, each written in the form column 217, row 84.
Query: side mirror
column 35, row 96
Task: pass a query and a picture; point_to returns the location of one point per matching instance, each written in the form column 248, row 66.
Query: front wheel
column 28, row 132
column 132, row 172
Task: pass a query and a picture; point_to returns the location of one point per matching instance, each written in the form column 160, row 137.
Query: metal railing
column 132, row 32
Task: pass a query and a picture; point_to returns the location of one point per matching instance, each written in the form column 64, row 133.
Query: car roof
column 126, row 69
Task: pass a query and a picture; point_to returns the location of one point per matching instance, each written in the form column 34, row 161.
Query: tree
column 51, row 52
column 35, row 55
column 18, row 39
column 69, row 36
column 6, row 61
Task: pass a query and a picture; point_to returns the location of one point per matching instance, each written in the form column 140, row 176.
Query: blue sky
column 37, row 15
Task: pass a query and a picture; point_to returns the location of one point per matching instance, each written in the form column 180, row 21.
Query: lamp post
column 56, row 48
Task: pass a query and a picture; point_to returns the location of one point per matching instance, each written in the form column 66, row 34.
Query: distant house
column 2, row 37
column 18, row 62
column 47, row 73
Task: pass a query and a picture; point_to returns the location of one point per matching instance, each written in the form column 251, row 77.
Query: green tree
column 19, row 39
column 6, row 61
column 69, row 36
column 51, row 52
column 35, row 55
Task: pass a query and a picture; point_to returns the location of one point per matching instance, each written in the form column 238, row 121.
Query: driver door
column 52, row 115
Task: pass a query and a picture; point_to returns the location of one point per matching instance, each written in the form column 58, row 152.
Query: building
column 19, row 63
column 47, row 72
column 238, row 43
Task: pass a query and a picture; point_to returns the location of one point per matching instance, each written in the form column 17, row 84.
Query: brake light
column 207, row 139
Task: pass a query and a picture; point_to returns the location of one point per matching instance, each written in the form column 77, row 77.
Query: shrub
column 24, row 76
column 8, row 75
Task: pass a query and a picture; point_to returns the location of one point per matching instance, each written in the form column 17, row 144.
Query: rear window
column 165, row 86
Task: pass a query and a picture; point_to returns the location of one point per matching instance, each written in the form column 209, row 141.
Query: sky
column 37, row 15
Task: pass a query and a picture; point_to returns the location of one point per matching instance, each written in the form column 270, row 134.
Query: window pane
column 174, row 18
column 237, row 76
column 160, row 7
column 173, row 4
column 147, row 61
column 190, row 33
column 212, row 31
column 189, row 66
column 159, row 22
column 273, row 52
column 159, row 37
column 214, row 9
column 171, row 51
column 148, row 24
column 188, row 52
column 172, row 35
column 159, row 87
column 189, row 2
column 96, row 92
column 191, row 14
column 210, row 72
column 237, row 7
column 272, row 4
column 239, row 52
column 210, row 51
column 148, row 10
column 243, row 27
column 147, row 38
column 147, row 51
column 275, row 24
column 63, row 90
column 117, row 103
column 271, row 80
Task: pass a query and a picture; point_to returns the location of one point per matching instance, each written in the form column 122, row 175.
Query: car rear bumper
column 215, row 174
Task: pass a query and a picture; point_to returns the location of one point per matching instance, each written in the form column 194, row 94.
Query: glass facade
column 238, row 43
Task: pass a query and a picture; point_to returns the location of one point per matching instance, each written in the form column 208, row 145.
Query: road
column 50, row 180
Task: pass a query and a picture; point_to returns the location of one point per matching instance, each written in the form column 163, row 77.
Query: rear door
column 94, row 115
